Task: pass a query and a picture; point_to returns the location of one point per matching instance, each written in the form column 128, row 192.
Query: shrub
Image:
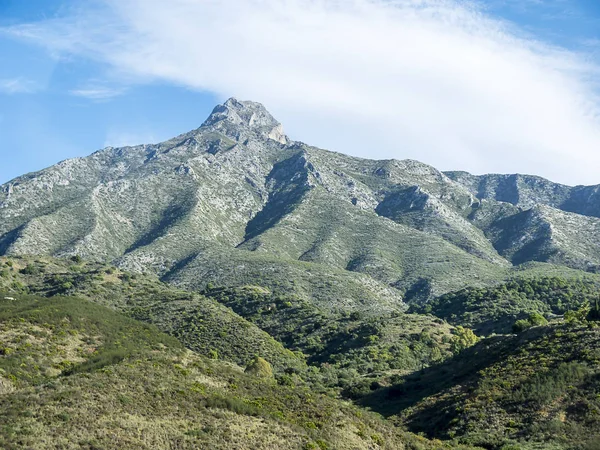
column 536, row 319
column 579, row 316
column 30, row 269
column 594, row 314
column 260, row 367
column 547, row 386
column 233, row 404
column 355, row 315
column 521, row 325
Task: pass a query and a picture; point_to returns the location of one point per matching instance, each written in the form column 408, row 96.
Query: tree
column 521, row 325
column 594, row 314
column 536, row 319
column 30, row 269
column 436, row 354
column 579, row 316
column 463, row 338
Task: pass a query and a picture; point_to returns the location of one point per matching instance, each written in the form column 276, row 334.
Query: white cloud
column 17, row 86
column 97, row 93
column 433, row 80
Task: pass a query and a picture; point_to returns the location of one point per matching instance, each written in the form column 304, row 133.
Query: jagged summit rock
column 251, row 116
column 246, row 113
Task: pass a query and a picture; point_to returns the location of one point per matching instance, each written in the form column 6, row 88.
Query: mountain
column 233, row 288
column 528, row 218
column 237, row 202
column 528, row 191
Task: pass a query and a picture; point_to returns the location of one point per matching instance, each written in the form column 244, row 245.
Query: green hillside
column 74, row 374
column 496, row 309
column 538, row 389
column 342, row 350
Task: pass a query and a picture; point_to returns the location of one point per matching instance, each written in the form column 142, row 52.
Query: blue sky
column 43, row 122
column 488, row 86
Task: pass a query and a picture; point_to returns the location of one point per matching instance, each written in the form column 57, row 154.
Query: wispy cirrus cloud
column 98, row 93
column 435, row 80
column 18, row 86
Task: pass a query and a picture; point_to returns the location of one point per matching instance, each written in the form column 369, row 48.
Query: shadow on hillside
column 447, row 381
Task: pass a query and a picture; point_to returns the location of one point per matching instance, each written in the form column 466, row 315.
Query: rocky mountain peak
column 235, row 118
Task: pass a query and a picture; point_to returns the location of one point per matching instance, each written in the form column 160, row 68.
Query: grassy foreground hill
column 74, row 374
column 406, row 366
column 200, row 323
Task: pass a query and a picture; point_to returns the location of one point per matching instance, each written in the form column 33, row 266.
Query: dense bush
column 259, row 367
column 31, row 269
column 463, row 339
column 535, row 390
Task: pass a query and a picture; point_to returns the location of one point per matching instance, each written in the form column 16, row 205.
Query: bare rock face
column 235, row 201
column 241, row 119
column 6, row 386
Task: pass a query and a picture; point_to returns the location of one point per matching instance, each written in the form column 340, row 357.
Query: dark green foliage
column 463, row 338
column 578, row 316
column 534, row 320
column 539, row 388
column 31, row 269
column 495, row 309
column 345, row 346
column 521, row 325
column 545, row 387
column 594, row 314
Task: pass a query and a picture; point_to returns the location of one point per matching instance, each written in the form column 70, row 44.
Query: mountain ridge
column 238, row 190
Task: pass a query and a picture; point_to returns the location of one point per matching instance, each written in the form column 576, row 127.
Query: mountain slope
column 529, row 190
column 237, row 202
column 330, row 350
column 536, row 390
column 198, row 322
